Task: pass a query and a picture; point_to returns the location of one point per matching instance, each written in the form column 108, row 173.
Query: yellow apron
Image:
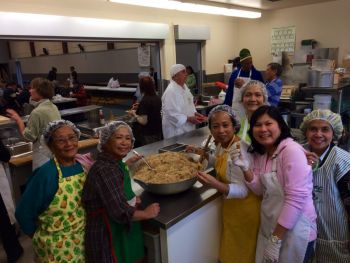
column 61, row 227
column 240, row 220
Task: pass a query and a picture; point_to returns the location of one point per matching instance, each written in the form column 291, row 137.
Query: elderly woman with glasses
column 331, row 179
column 113, row 233
column 50, row 210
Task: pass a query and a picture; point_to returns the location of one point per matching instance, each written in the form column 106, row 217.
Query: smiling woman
column 281, row 174
column 111, row 205
column 50, row 210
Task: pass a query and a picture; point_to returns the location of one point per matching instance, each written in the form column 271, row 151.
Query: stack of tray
column 177, row 147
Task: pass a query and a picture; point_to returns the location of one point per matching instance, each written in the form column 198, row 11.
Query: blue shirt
column 274, row 90
column 256, row 75
column 40, row 191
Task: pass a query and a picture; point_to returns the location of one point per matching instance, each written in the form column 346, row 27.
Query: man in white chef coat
column 179, row 114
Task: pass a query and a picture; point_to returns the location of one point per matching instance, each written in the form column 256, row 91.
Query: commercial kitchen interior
column 325, row 21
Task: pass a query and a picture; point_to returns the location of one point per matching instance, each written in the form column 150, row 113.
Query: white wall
column 217, row 50
column 328, row 23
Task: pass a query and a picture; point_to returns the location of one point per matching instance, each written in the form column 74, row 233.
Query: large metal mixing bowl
column 169, row 188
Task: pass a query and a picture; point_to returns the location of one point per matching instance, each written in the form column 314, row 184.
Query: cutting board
column 3, row 119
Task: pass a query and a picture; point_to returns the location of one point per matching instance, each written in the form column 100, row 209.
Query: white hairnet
column 332, row 118
column 54, row 125
column 109, row 129
column 229, row 111
column 143, row 74
column 250, row 83
column 174, row 69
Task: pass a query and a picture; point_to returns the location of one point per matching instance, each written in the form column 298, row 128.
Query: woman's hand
column 133, row 159
column 239, row 159
column 12, row 114
column 138, row 201
column 312, row 158
column 272, row 252
column 213, row 182
column 152, row 210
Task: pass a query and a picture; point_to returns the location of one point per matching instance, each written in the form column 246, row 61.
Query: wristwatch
column 276, row 240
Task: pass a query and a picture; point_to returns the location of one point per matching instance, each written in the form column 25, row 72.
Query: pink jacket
column 295, row 177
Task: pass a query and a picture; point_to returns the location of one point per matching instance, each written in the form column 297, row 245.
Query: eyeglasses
column 64, row 140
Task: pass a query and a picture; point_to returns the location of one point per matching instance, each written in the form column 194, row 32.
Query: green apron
column 127, row 243
column 61, row 227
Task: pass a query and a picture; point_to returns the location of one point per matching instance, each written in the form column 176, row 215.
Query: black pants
column 8, row 236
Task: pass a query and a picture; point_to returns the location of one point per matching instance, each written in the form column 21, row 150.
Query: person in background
column 236, row 63
column 12, row 247
column 113, row 83
column 10, row 97
column 148, row 126
column 138, row 94
column 331, row 178
column 281, row 174
column 179, row 114
column 45, row 111
column 52, row 76
column 191, row 80
column 50, row 210
column 113, row 230
column 241, row 207
column 80, row 94
column 273, row 83
column 23, row 96
column 73, row 76
column 253, row 95
column 245, row 71
column 154, row 75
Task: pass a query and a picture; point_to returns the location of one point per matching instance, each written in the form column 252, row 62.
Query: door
column 189, row 54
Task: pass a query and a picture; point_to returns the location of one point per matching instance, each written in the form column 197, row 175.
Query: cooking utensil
column 169, row 188
column 205, row 149
column 143, row 159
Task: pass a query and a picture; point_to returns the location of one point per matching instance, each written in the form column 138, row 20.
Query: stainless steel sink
column 20, row 149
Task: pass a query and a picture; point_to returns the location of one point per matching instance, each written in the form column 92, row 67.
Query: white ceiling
column 266, row 4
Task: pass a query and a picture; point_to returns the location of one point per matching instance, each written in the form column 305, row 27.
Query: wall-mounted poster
column 282, row 39
column 144, row 55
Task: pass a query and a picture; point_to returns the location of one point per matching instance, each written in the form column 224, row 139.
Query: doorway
column 190, row 54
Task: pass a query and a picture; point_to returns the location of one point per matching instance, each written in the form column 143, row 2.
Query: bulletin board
column 282, row 39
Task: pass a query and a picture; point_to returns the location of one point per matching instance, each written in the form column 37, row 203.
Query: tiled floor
column 27, row 256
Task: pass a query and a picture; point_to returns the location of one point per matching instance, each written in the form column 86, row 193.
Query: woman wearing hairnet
column 112, row 231
column 331, row 179
column 241, row 208
column 252, row 95
column 50, row 210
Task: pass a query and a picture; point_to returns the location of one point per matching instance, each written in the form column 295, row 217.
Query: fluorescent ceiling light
column 190, row 7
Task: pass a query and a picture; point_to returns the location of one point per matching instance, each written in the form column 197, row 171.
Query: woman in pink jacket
column 281, row 174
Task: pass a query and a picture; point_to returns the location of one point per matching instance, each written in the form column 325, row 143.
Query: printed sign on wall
column 282, row 39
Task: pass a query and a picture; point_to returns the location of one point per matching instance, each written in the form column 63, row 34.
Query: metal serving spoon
column 143, row 159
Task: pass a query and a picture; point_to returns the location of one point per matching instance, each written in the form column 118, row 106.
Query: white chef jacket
column 177, row 105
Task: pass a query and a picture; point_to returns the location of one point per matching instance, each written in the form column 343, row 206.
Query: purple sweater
column 295, row 177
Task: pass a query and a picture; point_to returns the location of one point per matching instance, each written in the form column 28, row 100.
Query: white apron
column 6, row 194
column 236, row 105
column 41, row 154
column 296, row 240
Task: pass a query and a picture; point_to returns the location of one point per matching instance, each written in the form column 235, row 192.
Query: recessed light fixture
column 191, row 7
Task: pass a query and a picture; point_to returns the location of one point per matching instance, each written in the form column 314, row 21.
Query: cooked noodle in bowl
column 170, row 167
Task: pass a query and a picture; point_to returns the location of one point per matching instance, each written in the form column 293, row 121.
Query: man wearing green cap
column 244, row 72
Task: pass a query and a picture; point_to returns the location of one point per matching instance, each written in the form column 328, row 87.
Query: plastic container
column 322, row 102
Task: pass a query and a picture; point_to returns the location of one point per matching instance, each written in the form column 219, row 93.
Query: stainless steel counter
column 176, row 207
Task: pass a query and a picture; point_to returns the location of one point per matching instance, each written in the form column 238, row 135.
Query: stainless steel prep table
column 188, row 221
